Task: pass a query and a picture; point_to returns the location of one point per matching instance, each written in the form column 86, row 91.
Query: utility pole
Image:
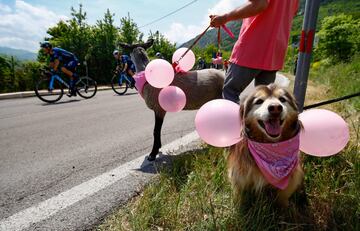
column 305, row 49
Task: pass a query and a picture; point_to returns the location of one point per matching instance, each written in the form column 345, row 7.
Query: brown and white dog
column 268, row 155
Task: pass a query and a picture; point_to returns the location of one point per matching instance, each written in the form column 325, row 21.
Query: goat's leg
column 159, row 119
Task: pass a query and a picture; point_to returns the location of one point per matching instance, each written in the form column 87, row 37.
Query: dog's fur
column 199, row 86
column 267, row 102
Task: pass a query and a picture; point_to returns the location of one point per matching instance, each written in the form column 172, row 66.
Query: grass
column 343, row 79
column 194, row 194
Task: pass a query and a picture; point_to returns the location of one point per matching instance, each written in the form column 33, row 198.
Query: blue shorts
column 71, row 66
column 132, row 67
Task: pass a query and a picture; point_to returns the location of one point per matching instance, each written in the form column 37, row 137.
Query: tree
column 162, row 45
column 339, row 37
column 129, row 31
column 26, row 75
column 73, row 35
column 209, row 51
column 5, row 74
column 16, row 75
column 105, row 35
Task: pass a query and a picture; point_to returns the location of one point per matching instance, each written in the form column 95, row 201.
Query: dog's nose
column 275, row 109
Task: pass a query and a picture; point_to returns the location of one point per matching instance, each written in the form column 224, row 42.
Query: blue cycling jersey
column 126, row 59
column 62, row 55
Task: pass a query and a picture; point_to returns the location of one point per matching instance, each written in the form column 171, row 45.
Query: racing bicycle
column 120, row 82
column 51, row 87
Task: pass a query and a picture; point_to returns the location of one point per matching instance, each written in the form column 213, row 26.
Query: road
column 47, row 149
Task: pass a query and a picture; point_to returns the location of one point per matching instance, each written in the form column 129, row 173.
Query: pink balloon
column 325, row 133
column 172, row 99
column 187, row 62
column 218, row 60
column 218, row 123
column 159, row 73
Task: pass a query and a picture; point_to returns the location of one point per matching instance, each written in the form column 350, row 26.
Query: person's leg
column 130, row 75
column 69, row 70
column 236, row 80
column 265, row 78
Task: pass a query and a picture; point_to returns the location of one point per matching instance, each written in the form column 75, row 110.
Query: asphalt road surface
column 48, row 149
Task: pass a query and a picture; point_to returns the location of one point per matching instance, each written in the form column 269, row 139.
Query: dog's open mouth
column 272, row 126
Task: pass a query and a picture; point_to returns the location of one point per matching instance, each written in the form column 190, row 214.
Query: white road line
column 47, row 208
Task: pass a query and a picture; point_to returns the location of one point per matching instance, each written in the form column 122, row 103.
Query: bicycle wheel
column 47, row 95
column 120, row 87
column 86, row 87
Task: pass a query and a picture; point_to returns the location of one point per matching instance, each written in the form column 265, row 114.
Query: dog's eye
column 282, row 99
column 259, row 101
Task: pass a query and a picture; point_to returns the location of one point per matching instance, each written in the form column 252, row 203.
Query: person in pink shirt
column 260, row 50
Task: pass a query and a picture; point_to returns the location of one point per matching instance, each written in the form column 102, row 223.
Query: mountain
column 18, row 53
column 210, row 37
column 327, row 8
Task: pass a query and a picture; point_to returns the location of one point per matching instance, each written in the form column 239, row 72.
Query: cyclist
column 159, row 55
column 68, row 62
column 125, row 65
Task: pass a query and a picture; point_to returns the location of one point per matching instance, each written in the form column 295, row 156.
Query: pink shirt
column 264, row 38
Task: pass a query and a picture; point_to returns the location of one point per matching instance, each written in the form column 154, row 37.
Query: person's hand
column 217, row 20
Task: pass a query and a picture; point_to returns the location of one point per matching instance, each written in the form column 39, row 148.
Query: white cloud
column 225, row 6
column 25, row 26
column 4, row 8
column 181, row 33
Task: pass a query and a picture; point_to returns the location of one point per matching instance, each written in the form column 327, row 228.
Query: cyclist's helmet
column 116, row 52
column 45, row 44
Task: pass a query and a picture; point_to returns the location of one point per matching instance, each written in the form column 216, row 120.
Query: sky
column 23, row 23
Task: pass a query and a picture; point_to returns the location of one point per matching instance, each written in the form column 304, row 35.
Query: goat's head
column 138, row 53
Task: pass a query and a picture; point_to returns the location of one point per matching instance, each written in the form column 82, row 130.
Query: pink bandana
column 140, row 82
column 276, row 161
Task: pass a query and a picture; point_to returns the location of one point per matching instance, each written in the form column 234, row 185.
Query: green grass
column 342, row 79
column 193, row 194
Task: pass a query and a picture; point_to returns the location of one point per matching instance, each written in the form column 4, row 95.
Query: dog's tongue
column 273, row 127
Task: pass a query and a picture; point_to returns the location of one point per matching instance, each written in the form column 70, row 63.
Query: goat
column 199, row 86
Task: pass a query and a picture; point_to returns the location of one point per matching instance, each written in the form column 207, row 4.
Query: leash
column 192, row 45
column 219, row 41
column 176, row 63
column 331, row 101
